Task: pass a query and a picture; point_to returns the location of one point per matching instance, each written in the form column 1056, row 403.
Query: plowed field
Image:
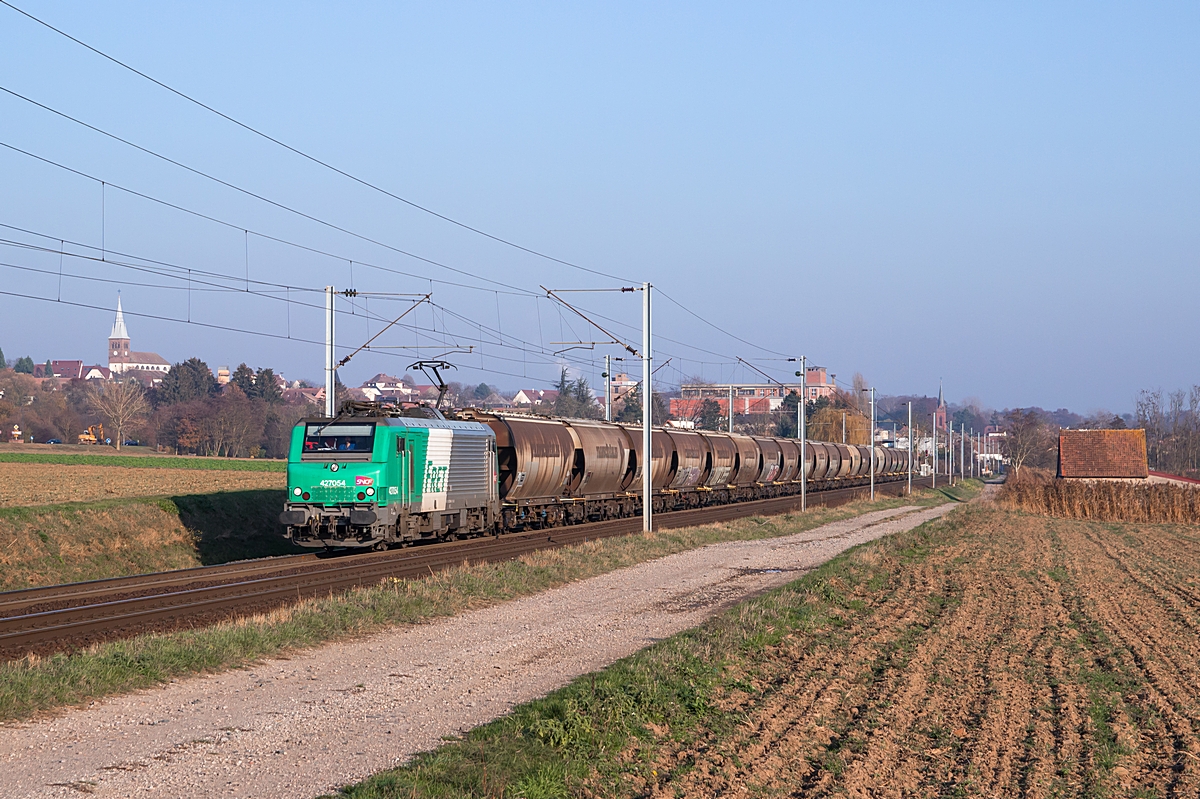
column 30, row 484
column 1015, row 656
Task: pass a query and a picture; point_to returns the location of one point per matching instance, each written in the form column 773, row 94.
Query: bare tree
column 1028, row 439
column 1172, row 424
column 861, row 400
column 121, row 404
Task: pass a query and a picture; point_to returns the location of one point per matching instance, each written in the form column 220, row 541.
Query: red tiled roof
column 1102, row 453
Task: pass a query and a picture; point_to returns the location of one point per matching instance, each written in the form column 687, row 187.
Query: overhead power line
column 327, row 165
column 278, row 240
column 312, row 158
column 235, row 187
column 366, row 183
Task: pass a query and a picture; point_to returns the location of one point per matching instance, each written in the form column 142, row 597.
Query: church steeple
column 119, row 330
column 118, row 342
column 939, row 414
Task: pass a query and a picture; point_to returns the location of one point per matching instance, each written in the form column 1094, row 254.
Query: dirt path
column 1024, row 656
column 303, row 726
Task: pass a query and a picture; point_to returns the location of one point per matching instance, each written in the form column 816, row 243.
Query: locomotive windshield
column 340, row 438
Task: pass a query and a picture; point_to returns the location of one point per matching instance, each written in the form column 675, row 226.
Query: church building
column 121, row 359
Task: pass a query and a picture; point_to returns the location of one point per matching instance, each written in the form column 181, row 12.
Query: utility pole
column 731, row 407
column 802, row 429
column 843, row 427
column 647, row 417
column 910, row 448
column 607, row 388
column 935, row 457
column 330, row 371
column 950, row 453
column 871, row 441
column 962, row 449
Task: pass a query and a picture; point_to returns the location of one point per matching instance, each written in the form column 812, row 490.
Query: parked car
column 132, row 443
column 54, row 441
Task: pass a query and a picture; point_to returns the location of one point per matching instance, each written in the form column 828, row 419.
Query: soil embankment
column 119, row 537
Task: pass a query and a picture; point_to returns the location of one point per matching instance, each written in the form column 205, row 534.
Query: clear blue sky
column 1002, row 195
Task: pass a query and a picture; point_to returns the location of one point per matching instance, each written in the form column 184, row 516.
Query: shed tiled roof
column 1102, row 453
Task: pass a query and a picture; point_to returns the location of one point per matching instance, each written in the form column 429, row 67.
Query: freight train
column 378, row 476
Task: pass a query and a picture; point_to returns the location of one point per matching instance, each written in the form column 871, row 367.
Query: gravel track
column 334, row 715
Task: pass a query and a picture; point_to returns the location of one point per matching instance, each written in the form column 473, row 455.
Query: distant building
column 97, row 373
column 304, row 396
column 122, row 359
column 493, row 402
column 751, row 398
column 1102, row 454
column 67, row 370
column 535, row 398
column 223, row 375
column 385, row 388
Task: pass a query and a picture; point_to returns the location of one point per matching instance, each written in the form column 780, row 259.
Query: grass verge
column 147, row 461
column 118, row 537
column 38, row 685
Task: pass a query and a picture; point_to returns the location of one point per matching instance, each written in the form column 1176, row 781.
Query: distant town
column 140, row 398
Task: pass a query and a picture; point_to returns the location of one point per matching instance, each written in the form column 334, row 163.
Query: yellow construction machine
column 94, row 435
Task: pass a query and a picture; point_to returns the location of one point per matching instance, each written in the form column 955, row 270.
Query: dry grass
column 1036, row 491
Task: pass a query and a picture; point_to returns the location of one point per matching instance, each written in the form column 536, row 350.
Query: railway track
column 66, row 617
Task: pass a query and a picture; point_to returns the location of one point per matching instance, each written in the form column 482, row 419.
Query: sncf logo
column 364, row 481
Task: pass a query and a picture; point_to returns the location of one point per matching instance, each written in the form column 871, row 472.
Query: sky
column 1003, row 197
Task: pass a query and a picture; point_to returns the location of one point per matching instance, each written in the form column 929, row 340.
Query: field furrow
column 1024, row 656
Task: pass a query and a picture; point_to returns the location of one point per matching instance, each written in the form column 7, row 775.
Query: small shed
column 1102, row 454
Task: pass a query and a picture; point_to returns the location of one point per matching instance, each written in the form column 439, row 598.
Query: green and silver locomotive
column 378, row 475
column 374, row 477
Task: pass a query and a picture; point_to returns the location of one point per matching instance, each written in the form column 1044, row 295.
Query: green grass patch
column 962, row 491
column 38, row 685
column 147, row 461
column 601, row 734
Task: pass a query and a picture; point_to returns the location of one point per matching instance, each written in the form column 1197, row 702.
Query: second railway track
column 67, row 617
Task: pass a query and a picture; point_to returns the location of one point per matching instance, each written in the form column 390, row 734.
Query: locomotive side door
column 403, row 484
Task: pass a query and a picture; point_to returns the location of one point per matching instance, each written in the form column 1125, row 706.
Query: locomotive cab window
column 349, row 440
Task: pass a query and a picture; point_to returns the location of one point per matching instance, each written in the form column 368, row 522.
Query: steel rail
column 173, row 600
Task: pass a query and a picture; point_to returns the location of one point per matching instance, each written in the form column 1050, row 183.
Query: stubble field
column 1025, row 657
column 37, row 484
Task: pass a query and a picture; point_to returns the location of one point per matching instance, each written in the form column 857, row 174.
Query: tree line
column 189, row 412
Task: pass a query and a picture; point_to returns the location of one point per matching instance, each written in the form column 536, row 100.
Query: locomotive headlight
column 333, row 467
column 370, row 492
column 296, row 491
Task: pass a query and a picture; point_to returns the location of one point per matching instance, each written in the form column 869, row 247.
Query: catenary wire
column 268, row 237
column 352, row 177
column 312, row 158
